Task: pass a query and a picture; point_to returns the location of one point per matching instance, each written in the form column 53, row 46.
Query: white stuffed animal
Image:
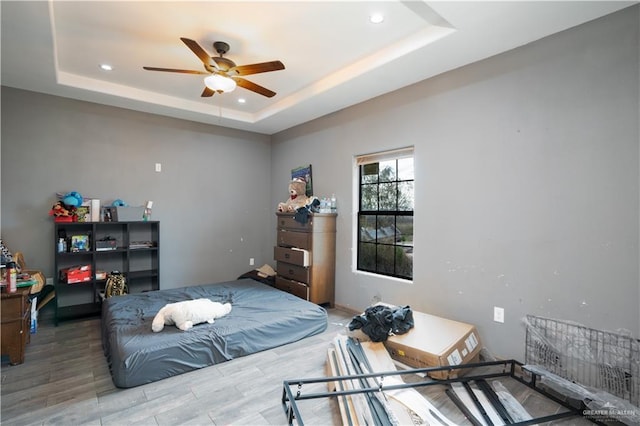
column 188, row 313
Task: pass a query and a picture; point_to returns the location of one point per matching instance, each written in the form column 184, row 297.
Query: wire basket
column 593, row 358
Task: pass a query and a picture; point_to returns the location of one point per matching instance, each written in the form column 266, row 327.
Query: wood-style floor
column 65, row 380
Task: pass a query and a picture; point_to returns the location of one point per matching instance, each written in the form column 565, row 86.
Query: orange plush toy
column 62, row 213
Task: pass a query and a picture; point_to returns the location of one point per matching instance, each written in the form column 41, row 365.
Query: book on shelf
column 140, row 244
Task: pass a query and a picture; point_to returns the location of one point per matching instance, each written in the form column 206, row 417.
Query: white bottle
column 324, row 205
column 334, row 207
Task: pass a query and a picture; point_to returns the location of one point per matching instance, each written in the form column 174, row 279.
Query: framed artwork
column 304, row 173
column 79, row 243
column 108, row 214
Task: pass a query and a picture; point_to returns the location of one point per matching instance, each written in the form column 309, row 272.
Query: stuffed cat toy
column 189, row 313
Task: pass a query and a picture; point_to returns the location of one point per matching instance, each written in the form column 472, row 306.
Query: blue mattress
column 261, row 318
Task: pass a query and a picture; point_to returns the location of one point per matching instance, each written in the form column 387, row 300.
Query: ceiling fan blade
column 175, row 70
column 257, row 68
column 254, row 87
column 207, row 92
column 199, row 51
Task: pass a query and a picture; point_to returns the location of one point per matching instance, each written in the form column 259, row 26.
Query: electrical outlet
column 158, row 167
column 49, row 281
column 251, row 261
column 498, row 314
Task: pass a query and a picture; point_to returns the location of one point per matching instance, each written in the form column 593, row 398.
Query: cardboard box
column 436, row 342
column 128, row 214
column 76, row 274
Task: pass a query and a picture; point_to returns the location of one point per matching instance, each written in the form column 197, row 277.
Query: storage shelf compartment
column 77, row 311
column 136, row 275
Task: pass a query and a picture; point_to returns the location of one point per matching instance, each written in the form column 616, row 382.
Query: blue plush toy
column 72, row 199
column 119, row 203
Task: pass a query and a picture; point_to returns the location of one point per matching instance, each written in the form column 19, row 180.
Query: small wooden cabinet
column 305, row 255
column 16, row 324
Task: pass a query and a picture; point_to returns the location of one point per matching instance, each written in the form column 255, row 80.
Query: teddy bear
column 188, row 313
column 297, row 196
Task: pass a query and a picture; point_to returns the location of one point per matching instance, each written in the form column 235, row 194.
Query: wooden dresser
column 306, row 257
column 16, row 324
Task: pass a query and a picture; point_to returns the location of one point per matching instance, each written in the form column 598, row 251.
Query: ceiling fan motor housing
column 223, row 64
column 221, row 47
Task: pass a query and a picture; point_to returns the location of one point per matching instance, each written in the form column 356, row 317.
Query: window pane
column 404, row 231
column 367, row 228
column 385, row 260
column 404, row 262
column 405, row 169
column 369, row 197
column 369, row 173
column 405, row 196
column 388, row 171
column 367, row 257
column 388, row 194
column 387, row 229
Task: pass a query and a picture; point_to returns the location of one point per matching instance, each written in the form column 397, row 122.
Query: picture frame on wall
column 304, row 173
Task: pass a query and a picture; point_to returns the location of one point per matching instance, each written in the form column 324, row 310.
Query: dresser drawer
column 297, row 289
column 293, row 272
column 294, row 239
column 291, row 255
column 288, row 222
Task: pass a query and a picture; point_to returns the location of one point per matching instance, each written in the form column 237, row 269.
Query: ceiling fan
column 223, row 74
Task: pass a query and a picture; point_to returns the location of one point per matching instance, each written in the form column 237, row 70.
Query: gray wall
column 527, row 184
column 212, row 196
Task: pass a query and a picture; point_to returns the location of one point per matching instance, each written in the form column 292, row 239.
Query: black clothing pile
column 381, row 321
column 302, row 213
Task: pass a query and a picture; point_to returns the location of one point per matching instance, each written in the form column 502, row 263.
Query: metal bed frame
column 293, row 390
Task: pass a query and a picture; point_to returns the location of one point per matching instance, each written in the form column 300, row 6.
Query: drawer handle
column 286, row 256
column 291, row 271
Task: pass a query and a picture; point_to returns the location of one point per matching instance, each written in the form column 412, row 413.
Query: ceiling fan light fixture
column 220, row 83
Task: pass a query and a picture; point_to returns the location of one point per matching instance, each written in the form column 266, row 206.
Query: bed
column 261, row 318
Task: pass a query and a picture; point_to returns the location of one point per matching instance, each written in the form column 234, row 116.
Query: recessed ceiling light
column 242, row 100
column 376, row 18
column 106, row 67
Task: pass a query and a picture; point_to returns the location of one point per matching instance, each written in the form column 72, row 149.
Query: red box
column 65, row 219
column 76, row 274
